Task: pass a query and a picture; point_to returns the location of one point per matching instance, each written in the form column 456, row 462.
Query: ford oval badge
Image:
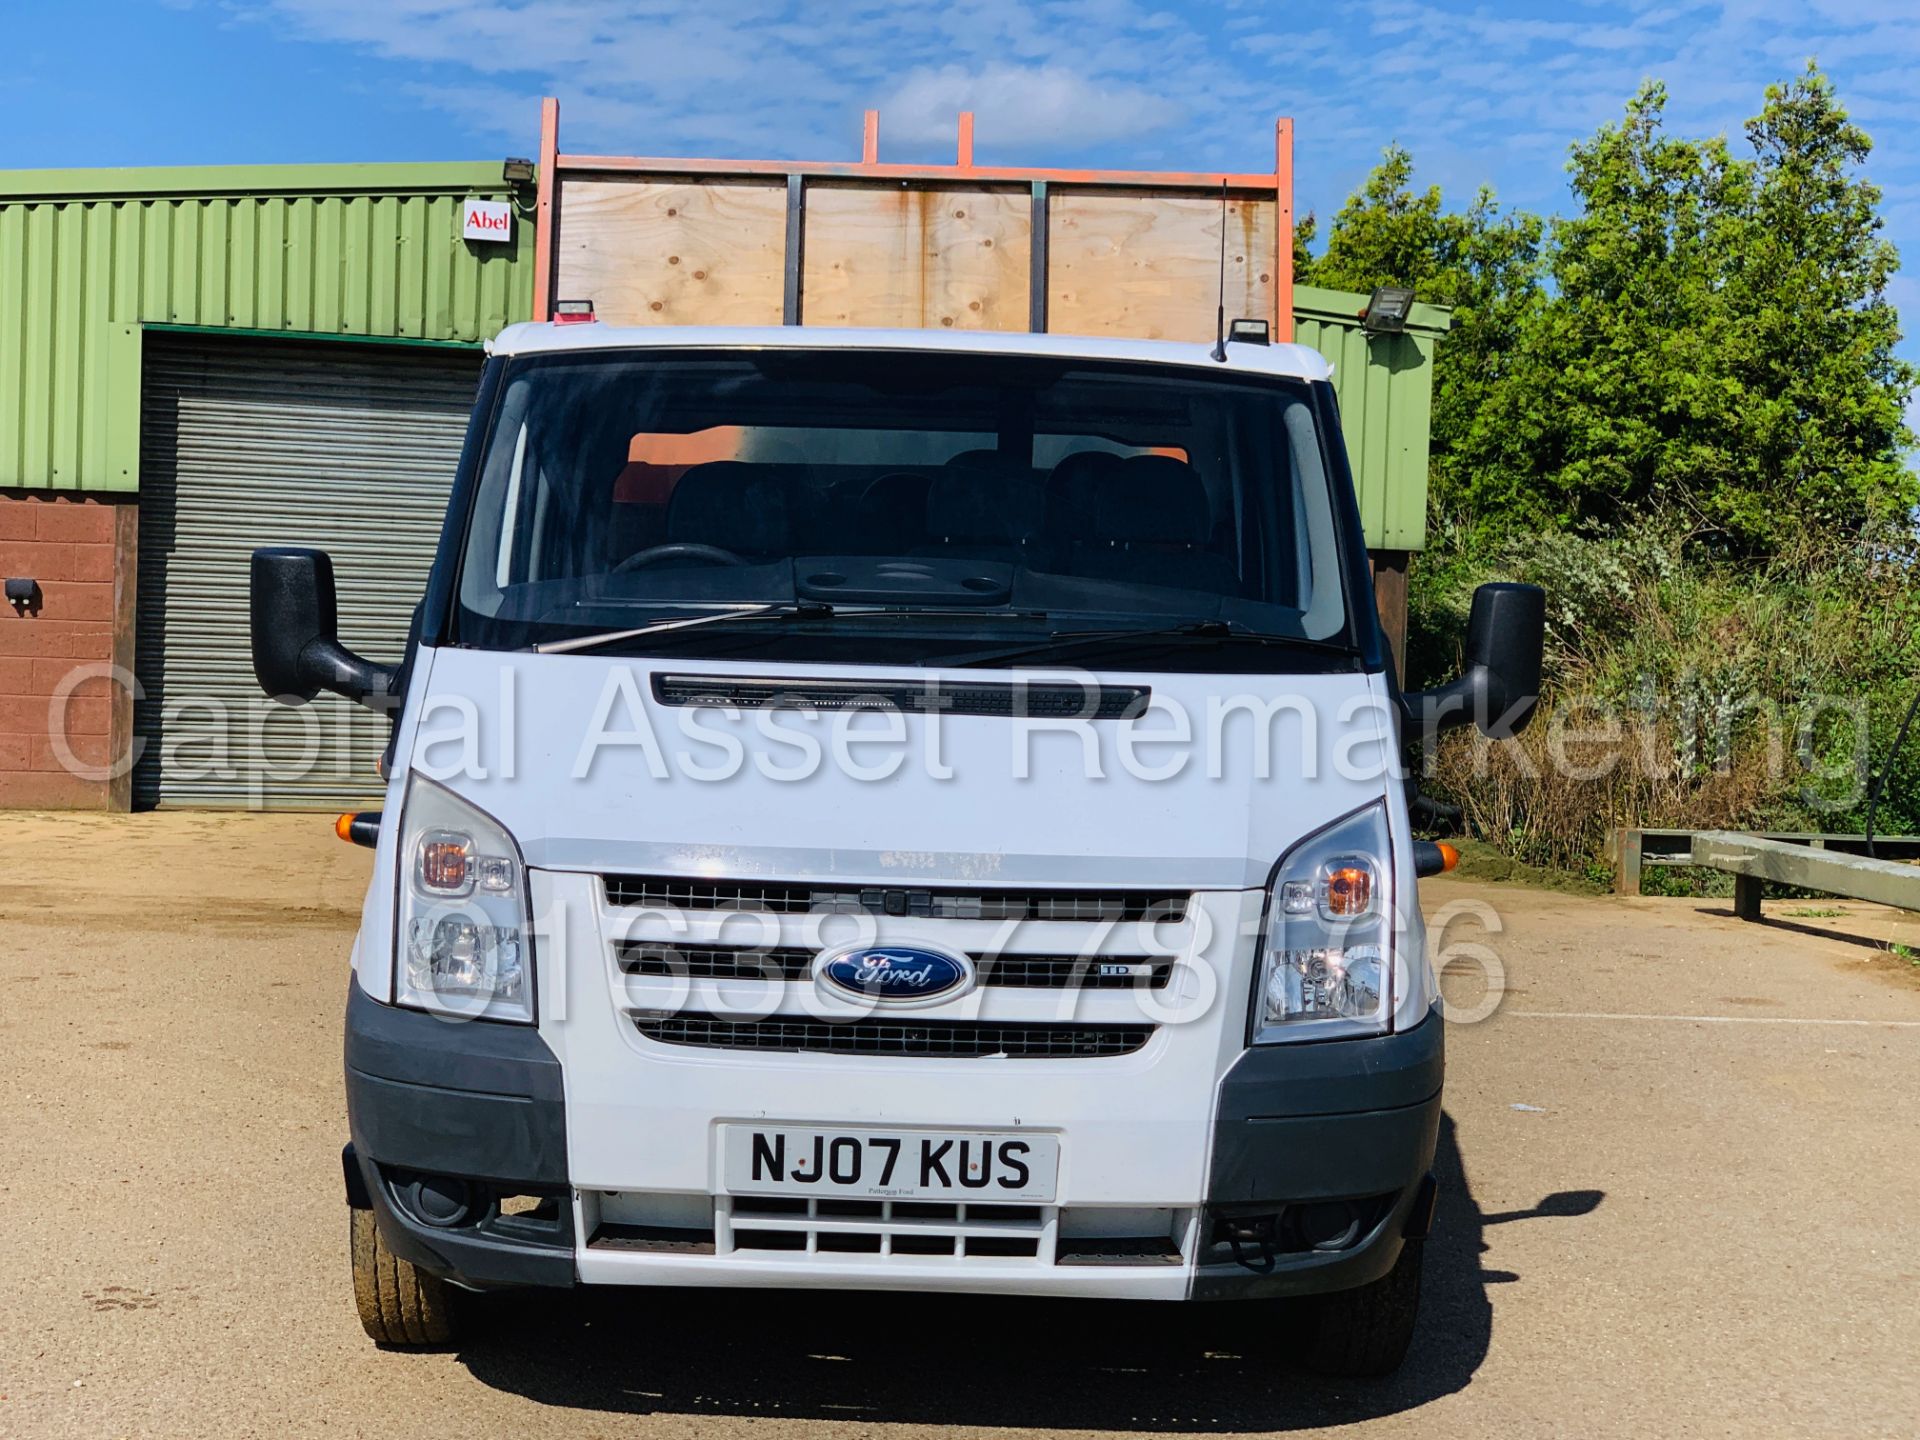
column 897, row 975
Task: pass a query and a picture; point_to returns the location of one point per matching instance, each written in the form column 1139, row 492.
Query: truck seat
column 980, row 514
column 889, row 518
column 1069, row 501
column 1151, row 524
column 732, row 504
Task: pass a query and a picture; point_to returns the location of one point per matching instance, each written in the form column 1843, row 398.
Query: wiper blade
column 789, row 610
column 781, row 610
column 808, row 610
column 1185, row 630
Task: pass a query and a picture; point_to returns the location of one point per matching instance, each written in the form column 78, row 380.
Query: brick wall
column 80, row 549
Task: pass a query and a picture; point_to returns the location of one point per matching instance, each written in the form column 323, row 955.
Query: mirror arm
column 1427, row 713
column 336, row 668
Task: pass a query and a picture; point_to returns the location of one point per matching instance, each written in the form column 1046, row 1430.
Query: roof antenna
column 1220, row 316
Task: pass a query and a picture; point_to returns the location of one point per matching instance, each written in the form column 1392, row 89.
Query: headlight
column 1326, row 965
column 463, row 946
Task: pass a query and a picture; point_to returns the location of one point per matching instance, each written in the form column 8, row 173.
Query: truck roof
column 1295, row 361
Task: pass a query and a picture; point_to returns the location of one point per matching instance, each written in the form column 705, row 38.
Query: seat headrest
column 1071, row 485
column 1152, row 499
column 731, row 504
column 1070, row 479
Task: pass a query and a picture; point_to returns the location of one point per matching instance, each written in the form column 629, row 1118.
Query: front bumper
column 1301, row 1135
column 1339, row 1124
column 471, row 1102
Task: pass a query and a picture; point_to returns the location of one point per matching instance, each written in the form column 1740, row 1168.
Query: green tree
column 1717, row 348
column 1482, row 263
column 1809, row 331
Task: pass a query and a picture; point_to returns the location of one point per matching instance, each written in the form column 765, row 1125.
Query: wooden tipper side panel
column 931, row 258
column 1147, row 265
column 674, row 252
column 666, row 240
column 712, row 250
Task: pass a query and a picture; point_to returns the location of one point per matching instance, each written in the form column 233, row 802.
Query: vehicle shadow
column 987, row 1361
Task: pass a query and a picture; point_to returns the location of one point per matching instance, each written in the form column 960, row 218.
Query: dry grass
column 1549, row 797
column 1732, row 695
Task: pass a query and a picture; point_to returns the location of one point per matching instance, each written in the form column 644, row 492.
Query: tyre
column 399, row 1304
column 1366, row 1331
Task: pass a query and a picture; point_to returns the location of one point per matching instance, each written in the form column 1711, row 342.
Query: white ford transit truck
column 895, row 810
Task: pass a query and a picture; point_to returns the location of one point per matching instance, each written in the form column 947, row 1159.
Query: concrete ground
column 1680, row 1173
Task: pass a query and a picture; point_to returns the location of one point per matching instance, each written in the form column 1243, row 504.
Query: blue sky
column 1479, row 91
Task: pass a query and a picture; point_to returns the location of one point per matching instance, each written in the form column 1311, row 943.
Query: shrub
column 1681, row 689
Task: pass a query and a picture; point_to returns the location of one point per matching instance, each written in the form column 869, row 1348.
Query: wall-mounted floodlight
column 1387, row 310
column 516, row 171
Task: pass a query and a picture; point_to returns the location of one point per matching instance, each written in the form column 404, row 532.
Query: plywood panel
column 674, row 252
column 1148, row 265
column 919, row 258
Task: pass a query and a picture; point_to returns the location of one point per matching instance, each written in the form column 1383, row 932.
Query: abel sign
column 487, row 220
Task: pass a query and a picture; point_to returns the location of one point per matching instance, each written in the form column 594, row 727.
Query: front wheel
column 399, row 1303
column 1366, row 1331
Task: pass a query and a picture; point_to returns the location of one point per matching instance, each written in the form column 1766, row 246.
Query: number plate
column 985, row 1167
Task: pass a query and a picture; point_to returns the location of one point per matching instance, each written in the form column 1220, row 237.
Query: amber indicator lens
column 1346, row 888
column 443, row 863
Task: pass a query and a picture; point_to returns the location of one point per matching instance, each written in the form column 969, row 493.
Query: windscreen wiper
column 1185, row 630
column 781, row 610
column 805, row 610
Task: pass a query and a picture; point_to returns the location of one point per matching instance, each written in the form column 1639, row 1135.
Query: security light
column 515, row 170
column 1248, row 332
column 1387, row 310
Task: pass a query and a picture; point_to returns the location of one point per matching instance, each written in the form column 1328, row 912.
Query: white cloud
column 1023, row 107
column 1122, row 82
column 784, row 76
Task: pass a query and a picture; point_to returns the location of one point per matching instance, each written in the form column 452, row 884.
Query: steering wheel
column 679, row 550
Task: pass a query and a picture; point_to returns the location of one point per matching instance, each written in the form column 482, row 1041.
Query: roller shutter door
column 351, row 449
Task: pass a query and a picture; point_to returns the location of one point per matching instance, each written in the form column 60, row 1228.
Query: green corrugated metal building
column 1385, row 384
column 195, row 362
column 89, row 259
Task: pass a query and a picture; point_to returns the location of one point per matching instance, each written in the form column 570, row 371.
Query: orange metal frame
column 554, row 165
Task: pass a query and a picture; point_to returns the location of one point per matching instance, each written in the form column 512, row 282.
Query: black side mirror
column 296, row 647
column 1501, row 686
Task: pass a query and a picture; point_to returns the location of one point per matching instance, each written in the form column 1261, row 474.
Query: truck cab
column 895, row 810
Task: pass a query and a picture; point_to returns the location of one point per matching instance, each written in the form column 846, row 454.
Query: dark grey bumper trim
column 474, row 1099
column 481, row 1101
column 1339, row 1120
column 422, row 1049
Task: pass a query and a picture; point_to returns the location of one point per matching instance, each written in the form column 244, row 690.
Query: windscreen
column 618, row 489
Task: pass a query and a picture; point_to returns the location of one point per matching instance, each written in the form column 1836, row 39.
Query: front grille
column 671, row 892
column 910, row 1230
column 1019, row 972
column 888, row 1230
column 695, row 962
column 929, row 1039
